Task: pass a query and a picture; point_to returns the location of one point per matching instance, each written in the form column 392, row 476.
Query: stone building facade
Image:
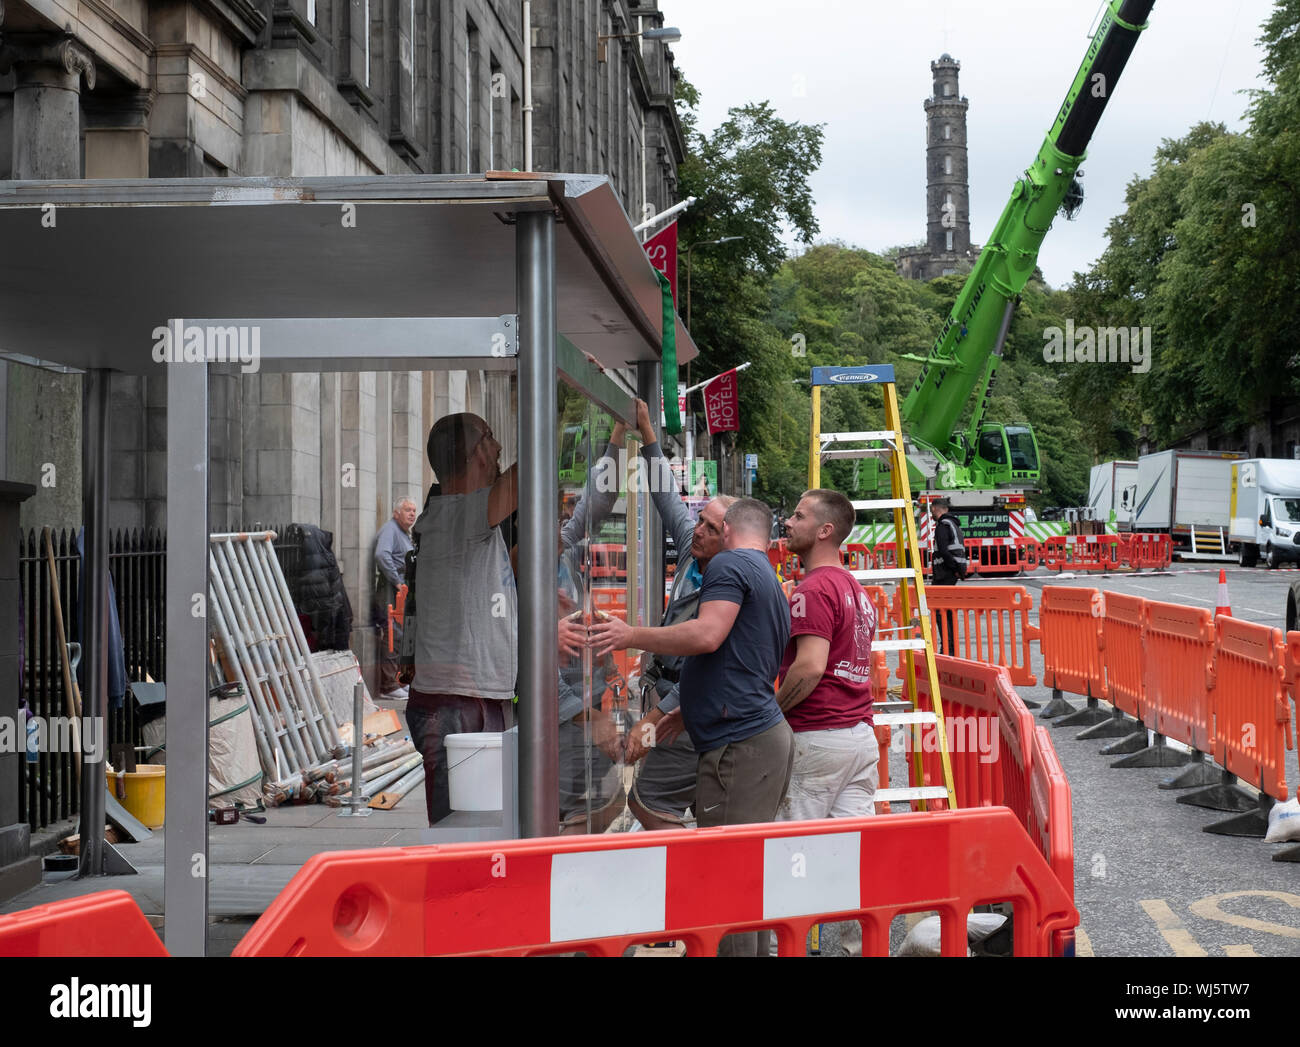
column 284, row 88
column 948, row 248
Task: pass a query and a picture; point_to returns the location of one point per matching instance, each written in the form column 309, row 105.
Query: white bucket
column 474, row 770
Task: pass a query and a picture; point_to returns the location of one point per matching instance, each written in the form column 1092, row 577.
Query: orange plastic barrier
column 991, row 623
column 784, row 562
column 612, row 602
column 609, row 561
column 603, row 894
column 884, row 739
column 1149, row 551
column 1293, row 664
column 106, row 923
column 993, row 555
column 1051, row 821
column 1069, row 623
column 1252, row 723
column 989, row 732
column 1178, row 666
column 1122, row 655
column 1029, row 552
column 884, row 605
column 857, row 557
column 885, row 555
column 1082, row 552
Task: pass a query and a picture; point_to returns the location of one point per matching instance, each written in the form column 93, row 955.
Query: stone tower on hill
column 948, row 248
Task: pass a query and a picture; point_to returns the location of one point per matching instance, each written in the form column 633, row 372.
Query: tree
column 750, row 179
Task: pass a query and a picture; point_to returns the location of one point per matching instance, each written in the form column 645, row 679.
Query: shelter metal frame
column 267, row 250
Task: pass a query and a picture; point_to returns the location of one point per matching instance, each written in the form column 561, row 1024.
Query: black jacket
column 949, row 560
column 316, row 587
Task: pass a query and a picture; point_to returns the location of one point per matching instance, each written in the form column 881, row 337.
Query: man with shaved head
column 732, row 655
column 826, row 677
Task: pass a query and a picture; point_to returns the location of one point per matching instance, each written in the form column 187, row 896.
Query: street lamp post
column 690, row 418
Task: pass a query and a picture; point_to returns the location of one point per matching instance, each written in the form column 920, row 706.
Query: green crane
column 966, row 354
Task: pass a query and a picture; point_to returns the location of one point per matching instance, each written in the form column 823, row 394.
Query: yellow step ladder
column 888, row 444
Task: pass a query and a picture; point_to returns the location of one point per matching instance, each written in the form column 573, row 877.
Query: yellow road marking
column 1082, row 943
column 1208, row 908
column 1239, row 950
column 1171, row 928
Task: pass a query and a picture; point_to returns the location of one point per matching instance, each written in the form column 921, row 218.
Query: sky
column 862, row 67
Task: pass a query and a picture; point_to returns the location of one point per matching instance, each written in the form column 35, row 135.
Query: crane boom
column 965, row 356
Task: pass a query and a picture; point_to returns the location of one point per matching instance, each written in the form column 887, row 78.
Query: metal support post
column 648, row 383
column 539, row 712
column 356, row 803
column 94, row 587
column 185, row 884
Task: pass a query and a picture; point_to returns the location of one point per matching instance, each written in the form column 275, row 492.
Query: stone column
column 19, row 870
column 47, row 92
column 117, row 135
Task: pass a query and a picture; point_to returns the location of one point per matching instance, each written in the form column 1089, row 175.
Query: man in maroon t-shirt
column 825, row 688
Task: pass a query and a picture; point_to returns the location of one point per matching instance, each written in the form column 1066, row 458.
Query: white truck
column 1112, row 487
column 1185, row 494
column 1264, row 504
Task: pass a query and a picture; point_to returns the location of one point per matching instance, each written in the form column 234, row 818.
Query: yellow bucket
column 146, row 792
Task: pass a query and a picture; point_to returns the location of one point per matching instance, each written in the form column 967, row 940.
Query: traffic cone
column 1223, row 607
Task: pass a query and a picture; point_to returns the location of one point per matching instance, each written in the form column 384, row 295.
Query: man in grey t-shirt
column 467, row 615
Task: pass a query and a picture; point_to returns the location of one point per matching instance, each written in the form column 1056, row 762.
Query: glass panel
column 592, row 581
column 1023, row 453
column 992, row 447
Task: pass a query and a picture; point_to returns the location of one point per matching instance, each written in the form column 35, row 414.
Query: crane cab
column 1005, row 454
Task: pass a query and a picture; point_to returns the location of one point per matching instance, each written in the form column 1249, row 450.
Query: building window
column 311, row 11
column 948, row 199
column 949, row 239
column 947, row 165
column 947, row 90
column 947, row 132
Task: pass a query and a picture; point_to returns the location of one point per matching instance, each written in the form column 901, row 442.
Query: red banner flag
column 722, row 402
column 662, row 251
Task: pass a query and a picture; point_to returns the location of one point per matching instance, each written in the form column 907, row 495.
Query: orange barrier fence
column 993, row 556
column 1177, row 662
column 1252, row 724
column 1148, row 551
column 884, row 740
column 1122, row 654
column 857, row 557
column 1293, row 665
column 602, row 894
column 991, row 623
column 1069, row 625
column 610, row 601
column 107, row 923
column 1051, row 821
column 609, row 561
column 785, row 563
column 1082, row 552
column 989, row 732
column 1029, row 552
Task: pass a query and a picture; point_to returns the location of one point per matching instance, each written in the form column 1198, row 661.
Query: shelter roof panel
column 90, row 269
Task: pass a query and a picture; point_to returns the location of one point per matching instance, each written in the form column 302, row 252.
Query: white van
column 1265, row 511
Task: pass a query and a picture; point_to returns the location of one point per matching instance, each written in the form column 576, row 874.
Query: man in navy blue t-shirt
column 727, row 685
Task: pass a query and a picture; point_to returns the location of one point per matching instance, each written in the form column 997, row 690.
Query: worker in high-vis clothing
column 949, row 563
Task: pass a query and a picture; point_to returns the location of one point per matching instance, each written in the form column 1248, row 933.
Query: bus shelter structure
column 494, row 272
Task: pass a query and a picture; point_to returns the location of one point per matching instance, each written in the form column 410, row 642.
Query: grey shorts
column 665, row 779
